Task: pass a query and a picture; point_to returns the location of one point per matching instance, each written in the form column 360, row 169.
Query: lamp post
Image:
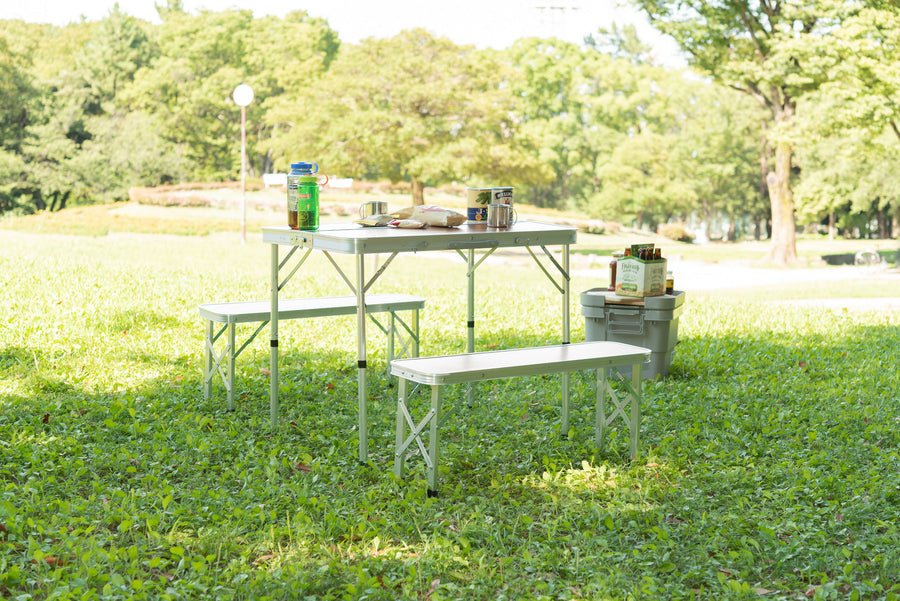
column 243, row 95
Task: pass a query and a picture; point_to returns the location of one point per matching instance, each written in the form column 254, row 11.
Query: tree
column 15, row 93
column 716, row 149
column 118, row 47
column 203, row 58
column 641, row 180
column 851, row 124
column 549, row 85
column 750, row 45
column 16, row 96
column 189, row 88
column 410, row 108
column 284, row 60
column 621, row 42
column 848, row 179
column 125, row 150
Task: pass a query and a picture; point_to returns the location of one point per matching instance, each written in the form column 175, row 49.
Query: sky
column 483, row 23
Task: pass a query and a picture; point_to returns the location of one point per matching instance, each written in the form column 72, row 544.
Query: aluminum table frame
column 353, row 239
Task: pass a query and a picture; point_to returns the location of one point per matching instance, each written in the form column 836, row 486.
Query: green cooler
column 650, row 322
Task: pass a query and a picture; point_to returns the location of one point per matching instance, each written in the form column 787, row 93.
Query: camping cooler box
column 650, row 322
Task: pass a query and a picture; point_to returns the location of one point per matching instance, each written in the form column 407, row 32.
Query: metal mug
column 373, row 207
column 500, row 215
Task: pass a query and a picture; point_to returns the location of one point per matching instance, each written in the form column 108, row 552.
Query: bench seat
column 229, row 315
column 491, row 365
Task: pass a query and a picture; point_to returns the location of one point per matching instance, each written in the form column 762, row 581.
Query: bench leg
column 403, row 442
column 399, row 449
column 631, row 416
column 433, row 443
column 635, row 424
column 208, row 361
column 231, row 357
column 415, row 340
column 600, row 416
column 392, row 335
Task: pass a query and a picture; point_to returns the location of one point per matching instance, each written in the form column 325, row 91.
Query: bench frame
column 472, row 367
column 222, row 320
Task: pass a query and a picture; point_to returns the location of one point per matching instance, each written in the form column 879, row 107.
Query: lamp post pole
column 243, row 95
column 244, row 174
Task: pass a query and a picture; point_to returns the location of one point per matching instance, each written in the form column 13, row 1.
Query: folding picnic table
column 353, row 239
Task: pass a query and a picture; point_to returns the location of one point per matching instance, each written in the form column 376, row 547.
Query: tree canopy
column 757, row 133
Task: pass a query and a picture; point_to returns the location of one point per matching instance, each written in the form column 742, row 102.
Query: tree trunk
column 832, row 230
column 783, row 250
column 418, row 192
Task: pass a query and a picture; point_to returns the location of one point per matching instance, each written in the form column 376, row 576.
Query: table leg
column 470, row 320
column 434, row 443
column 273, row 344
column 566, row 335
column 361, row 357
column 636, row 379
column 231, row 350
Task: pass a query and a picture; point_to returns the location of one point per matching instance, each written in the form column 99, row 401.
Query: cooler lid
column 601, row 297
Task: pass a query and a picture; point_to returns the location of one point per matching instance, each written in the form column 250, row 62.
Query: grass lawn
column 769, row 464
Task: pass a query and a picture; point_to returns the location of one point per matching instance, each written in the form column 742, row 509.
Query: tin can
column 502, row 195
column 477, row 201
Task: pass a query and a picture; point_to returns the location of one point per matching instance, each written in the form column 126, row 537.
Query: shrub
column 675, row 231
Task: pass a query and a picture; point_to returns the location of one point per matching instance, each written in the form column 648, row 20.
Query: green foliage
column 674, row 231
column 851, row 123
column 15, row 91
column 410, row 108
column 119, row 46
column 94, row 108
column 764, row 51
column 768, row 462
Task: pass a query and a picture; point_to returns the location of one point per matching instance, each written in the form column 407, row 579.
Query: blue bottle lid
column 305, row 167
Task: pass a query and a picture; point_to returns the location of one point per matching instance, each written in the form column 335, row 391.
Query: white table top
column 352, row 238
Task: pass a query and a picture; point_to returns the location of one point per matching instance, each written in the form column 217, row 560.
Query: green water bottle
column 303, row 196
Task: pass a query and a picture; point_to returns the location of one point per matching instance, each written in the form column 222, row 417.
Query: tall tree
column 750, row 45
column 284, row 59
column 410, row 108
column 118, row 47
column 548, row 85
column 16, row 91
column 204, row 57
column 851, row 124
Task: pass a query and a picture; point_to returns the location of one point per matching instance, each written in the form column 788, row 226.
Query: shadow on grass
column 787, row 443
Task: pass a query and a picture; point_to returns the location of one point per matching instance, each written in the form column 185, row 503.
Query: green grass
column 769, row 463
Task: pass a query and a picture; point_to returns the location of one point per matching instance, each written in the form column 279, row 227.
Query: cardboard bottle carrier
column 639, row 277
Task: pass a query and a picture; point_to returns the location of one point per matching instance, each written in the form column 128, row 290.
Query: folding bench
column 491, row 365
column 229, row 315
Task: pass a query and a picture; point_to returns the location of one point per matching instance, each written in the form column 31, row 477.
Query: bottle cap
column 305, row 167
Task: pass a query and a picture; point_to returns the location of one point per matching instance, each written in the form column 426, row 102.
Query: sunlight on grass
column 768, row 456
column 587, row 478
